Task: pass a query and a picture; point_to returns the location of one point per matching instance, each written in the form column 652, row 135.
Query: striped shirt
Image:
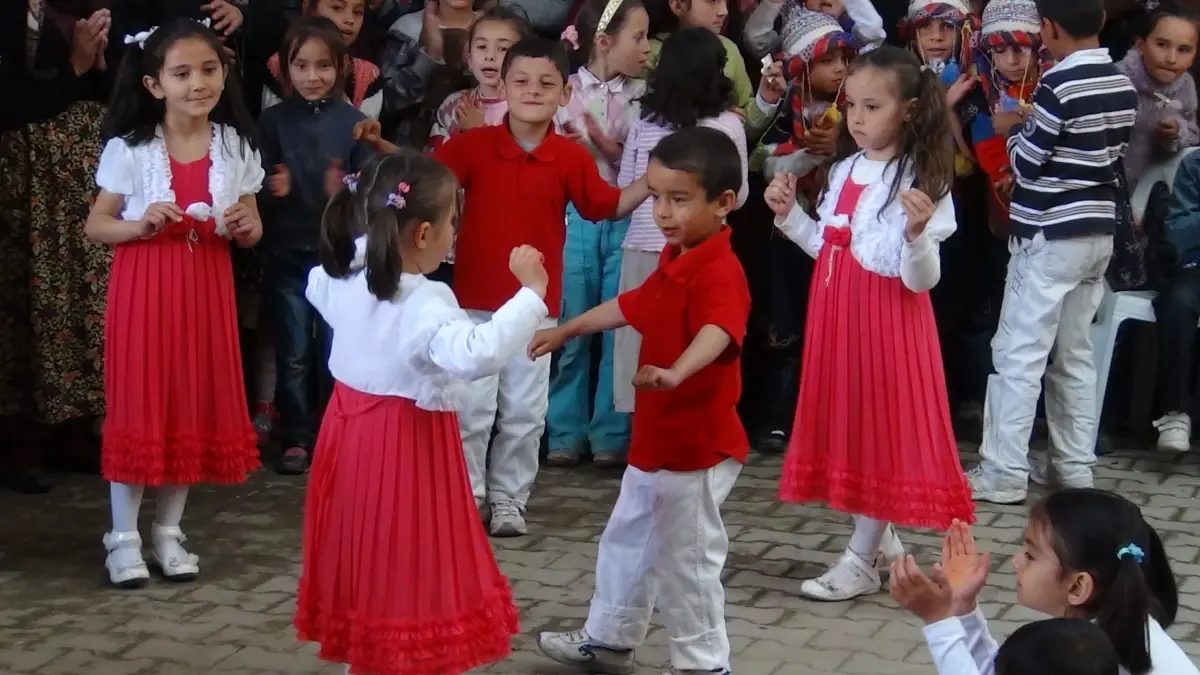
column 643, row 234
column 1066, row 157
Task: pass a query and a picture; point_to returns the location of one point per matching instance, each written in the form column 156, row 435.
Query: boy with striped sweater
column 1066, row 156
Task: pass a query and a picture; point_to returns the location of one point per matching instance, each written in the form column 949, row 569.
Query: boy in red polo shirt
column 665, row 543
column 519, row 177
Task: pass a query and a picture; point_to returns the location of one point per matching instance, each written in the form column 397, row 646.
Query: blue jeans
column 302, row 340
column 581, row 408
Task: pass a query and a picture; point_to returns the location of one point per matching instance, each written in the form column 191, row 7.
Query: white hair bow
column 140, row 38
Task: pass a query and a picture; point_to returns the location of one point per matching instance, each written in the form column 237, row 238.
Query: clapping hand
column 90, row 39
column 964, row 568
column 780, row 195
column 470, row 112
column 931, row 599
column 608, row 146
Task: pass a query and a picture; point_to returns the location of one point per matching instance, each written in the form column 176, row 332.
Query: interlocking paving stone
column 58, row 618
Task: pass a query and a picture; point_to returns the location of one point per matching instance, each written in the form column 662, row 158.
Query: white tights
column 868, row 532
column 127, row 501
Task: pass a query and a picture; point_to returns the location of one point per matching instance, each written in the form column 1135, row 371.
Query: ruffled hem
column 893, row 499
column 444, row 646
column 125, row 458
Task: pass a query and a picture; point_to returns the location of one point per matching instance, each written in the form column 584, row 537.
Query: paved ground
column 57, row 618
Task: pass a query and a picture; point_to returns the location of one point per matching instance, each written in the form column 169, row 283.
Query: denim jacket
column 1183, row 219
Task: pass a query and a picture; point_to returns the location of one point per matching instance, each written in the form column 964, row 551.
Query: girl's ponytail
column 1164, row 592
column 339, row 229
column 383, row 254
column 1123, row 609
column 130, row 107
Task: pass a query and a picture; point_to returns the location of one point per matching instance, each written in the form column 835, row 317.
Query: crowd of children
column 436, row 230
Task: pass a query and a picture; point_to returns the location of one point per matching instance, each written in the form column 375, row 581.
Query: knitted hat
column 1011, row 16
column 926, row 9
column 804, row 33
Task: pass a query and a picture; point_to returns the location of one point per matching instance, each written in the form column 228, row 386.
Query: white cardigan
column 142, row 174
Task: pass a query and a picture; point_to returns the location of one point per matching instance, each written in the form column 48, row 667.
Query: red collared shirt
column 514, row 197
column 696, row 425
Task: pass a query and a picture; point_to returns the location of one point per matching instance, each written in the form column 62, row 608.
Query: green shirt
column 735, row 69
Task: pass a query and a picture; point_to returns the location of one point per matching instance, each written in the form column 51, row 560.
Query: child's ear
column 153, row 87
column 1140, row 45
column 566, row 94
column 1080, row 589
column 421, row 235
column 726, row 202
column 678, row 7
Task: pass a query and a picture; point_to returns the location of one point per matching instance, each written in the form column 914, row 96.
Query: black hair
column 303, row 29
column 689, row 83
column 1166, row 10
column 504, row 14
column 707, row 154
column 1105, row 535
column 134, row 114
column 587, row 25
column 1078, row 18
column 662, row 18
column 365, row 210
column 538, row 48
column 1057, row 647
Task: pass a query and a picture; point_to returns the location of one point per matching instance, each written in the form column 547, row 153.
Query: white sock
column 171, row 500
column 868, row 532
column 126, row 501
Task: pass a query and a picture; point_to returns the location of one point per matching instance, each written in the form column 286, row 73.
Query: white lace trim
column 877, row 243
column 155, row 166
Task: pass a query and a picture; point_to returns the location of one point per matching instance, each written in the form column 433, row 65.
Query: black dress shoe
column 772, row 443
column 29, row 482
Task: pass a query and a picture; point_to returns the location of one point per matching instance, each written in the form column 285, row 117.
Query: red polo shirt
column 696, row 425
column 514, row 197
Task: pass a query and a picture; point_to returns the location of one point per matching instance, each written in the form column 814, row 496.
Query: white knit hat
column 915, row 6
column 1011, row 16
column 802, row 29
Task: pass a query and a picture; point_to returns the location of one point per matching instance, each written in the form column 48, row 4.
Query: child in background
column 1088, row 554
column 1063, row 214
column 611, row 38
column 306, row 144
column 391, row 536
column 669, row 16
column 1057, row 647
column 871, row 342
column 1158, row 67
column 362, row 83
column 177, row 182
column 687, row 89
column 665, row 543
column 857, row 17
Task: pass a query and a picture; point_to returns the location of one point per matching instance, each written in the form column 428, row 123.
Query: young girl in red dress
column 398, row 575
column 177, row 182
column 872, row 435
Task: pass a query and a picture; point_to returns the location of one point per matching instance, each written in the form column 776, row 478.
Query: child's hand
column 370, row 132
column 780, row 195
column 85, row 46
column 333, row 177
column 607, row 146
column 280, row 182
column 226, row 18
column 547, row 341
column 1004, row 187
column 470, row 112
column 739, row 112
column 431, row 32
column 919, row 209
column 821, row 141
column 243, row 225
column 656, row 379
column 526, row 264
column 1168, row 131
column 572, row 132
column 963, row 567
column 961, row 87
column 929, row 599
column 157, row 216
column 771, row 87
column 1003, row 122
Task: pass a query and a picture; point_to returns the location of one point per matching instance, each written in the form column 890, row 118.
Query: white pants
column 636, row 267
column 512, row 403
column 1053, row 291
column 665, row 543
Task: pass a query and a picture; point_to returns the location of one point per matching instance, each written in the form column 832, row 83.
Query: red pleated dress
column 398, row 575
column 872, row 434
column 173, row 387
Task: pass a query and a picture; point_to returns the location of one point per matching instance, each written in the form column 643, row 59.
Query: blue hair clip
column 1132, row 551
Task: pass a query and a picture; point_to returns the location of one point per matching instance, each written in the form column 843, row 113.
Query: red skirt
column 872, row 434
column 173, row 381
column 398, row 575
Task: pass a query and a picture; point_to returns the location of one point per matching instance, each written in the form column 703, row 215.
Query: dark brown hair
column 588, row 21
column 514, row 16
column 365, row 210
column 926, row 138
column 303, row 29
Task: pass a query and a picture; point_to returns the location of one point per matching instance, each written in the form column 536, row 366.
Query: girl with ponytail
column 872, row 434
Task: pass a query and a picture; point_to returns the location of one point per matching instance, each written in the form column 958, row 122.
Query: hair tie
column 1132, row 551
column 570, row 36
column 350, row 180
column 396, row 199
column 139, row 39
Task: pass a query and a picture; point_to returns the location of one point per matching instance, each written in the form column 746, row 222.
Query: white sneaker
column 1174, row 432
column 170, row 556
column 1041, row 471
column 849, row 578
column 984, row 488
column 125, row 565
column 577, row 649
column 507, row 520
column 890, row 549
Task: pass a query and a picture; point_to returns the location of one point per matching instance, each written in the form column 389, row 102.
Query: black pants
column 1177, row 310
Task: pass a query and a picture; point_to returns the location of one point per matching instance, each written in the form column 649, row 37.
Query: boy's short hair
column 1057, row 647
column 538, row 48
column 705, row 153
column 1079, row 18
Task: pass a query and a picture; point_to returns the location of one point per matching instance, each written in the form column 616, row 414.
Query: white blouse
column 962, row 645
column 877, row 241
column 142, row 174
column 420, row 345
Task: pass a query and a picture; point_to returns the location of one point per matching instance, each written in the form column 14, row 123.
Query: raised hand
column 528, row 265
column 780, row 195
column 431, row 32
column 919, row 208
column 963, row 566
column 772, row 86
column 929, row 599
column 470, row 112
column 960, row 88
column 226, row 17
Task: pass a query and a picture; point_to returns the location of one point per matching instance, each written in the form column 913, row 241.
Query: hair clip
column 139, row 39
column 1132, row 551
column 396, row 199
column 570, row 36
column 350, row 180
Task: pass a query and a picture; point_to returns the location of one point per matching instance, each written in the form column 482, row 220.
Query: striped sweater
column 1066, row 156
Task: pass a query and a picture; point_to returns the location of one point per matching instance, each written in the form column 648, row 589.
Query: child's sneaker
column 577, row 649
column 295, row 461
column 849, row 578
column 608, row 459
column 507, row 520
column 1174, row 432
column 564, row 457
column 984, row 488
column 264, row 421
column 171, row 558
column 125, row 565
